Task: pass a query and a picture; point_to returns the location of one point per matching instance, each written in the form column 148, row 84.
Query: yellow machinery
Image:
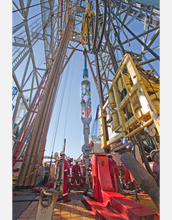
column 14, row 179
column 133, row 102
column 86, row 23
column 15, row 176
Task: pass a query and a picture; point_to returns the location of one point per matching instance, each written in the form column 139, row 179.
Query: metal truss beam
column 46, row 29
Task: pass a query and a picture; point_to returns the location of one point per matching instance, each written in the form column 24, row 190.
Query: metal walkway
column 21, row 200
column 74, row 209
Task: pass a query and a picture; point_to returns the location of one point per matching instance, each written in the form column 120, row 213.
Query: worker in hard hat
column 76, row 172
column 56, row 156
column 154, row 154
column 113, row 171
column 83, row 175
column 47, row 173
column 65, row 179
column 126, row 179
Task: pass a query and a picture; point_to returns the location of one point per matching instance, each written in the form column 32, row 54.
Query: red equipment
column 125, row 176
column 110, row 204
column 114, row 171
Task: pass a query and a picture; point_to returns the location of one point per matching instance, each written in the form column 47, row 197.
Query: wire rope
column 56, row 98
column 51, row 149
column 58, row 115
column 68, row 99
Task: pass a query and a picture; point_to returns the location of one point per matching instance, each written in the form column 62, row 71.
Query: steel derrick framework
column 129, row 26
column 137, row 18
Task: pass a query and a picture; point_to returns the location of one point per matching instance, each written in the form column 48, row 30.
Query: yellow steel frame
column 138, row 93
column 84, row 28
column 84, row 25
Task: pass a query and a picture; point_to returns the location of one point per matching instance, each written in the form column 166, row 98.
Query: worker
column 154, row 154
column 113, row 170
column 47, row 173
column 76, row 172
column 65, row 179
column 125, row 176
column 40, row 176
column 83, row 175
column 90, row 174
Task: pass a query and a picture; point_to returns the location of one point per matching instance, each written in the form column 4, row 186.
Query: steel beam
column 154, row 3
column 152, row 52
column 15, row 6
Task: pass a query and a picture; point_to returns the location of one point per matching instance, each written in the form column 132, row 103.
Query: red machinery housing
column 106, row 203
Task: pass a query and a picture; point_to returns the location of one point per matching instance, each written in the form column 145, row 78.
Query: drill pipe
column 142, row 177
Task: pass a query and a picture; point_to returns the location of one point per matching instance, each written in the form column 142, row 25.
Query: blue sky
column 69, row 109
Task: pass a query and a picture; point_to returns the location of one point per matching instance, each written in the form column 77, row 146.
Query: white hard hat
column 56, row 154
column 153, row 153
column 62, row 153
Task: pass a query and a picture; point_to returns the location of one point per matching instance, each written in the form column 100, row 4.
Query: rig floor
column 25, row 204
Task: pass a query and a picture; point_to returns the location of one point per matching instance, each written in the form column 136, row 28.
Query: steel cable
column 69, row 97
column 60, row 106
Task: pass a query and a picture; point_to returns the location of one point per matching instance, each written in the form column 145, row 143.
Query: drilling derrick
column 120, row 43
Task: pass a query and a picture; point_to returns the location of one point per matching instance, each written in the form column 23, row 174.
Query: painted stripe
column 65, row 194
